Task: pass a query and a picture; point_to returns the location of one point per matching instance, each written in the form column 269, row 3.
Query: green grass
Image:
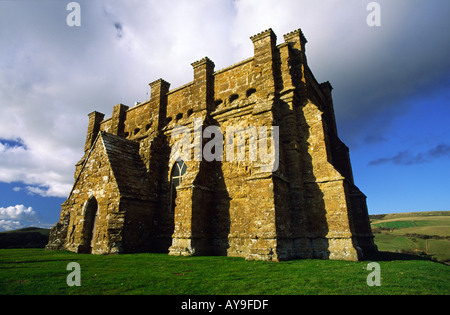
column 389, row 242
column 395, row 224
column 35, row 271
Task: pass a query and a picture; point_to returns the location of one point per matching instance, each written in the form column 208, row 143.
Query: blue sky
column 408, row 170
column 391, row 85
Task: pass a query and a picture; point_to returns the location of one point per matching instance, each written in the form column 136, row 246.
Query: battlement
column 221, row 88
column 264, row 34
column 294, row 36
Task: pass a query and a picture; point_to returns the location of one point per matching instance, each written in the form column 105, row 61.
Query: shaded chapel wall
column 139, row 230
column 328, row 217
column 232, row 109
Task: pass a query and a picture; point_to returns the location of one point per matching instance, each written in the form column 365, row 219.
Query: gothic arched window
column 178, row 170
column 176, row 176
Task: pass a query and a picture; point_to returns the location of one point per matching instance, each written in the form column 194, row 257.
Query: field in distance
column 418, row 233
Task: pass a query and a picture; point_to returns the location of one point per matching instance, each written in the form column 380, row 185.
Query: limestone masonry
column 134, row 192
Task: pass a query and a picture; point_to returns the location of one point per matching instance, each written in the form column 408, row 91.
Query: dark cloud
column 374, row 138
column 380, row 70
column 440, row 151
column 401, row 158
column 119, row 28
column 375, row 71
column 407, row 158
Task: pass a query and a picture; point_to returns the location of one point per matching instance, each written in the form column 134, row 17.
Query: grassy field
column 407, row 242
column 35, row 271
column 420, row 233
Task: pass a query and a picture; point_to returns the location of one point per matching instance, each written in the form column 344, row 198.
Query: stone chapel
column 134, row 191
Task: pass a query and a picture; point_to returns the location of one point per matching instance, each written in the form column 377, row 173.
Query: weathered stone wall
column 94, row 181
column 306, row 207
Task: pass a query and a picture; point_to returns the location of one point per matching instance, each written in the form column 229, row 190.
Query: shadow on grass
column 15, row 262
column 391, row 256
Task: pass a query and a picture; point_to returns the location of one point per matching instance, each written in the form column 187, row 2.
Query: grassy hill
column 30, row 237
column 418, row 233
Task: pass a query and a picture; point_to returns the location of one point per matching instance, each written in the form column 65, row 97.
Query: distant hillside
column 408, row 214
column 418, row 233
column 31, row 237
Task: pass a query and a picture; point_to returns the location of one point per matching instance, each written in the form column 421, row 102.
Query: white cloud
column 16, row 217
column 8, row 225
column 38, row 167
column 55, row 75
column 18, row 212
